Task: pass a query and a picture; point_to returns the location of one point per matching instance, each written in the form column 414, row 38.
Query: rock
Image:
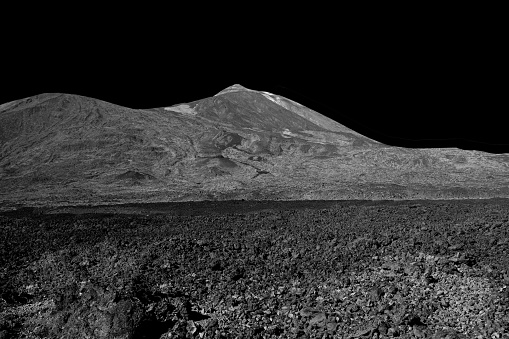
column 308, row 312
column 393, row 289
column 429, row 279
column 399, row 315
column 66, row 296
column 502, row 241
column 376, row 294
column 392, row 332
column 367, row 331
column 238, row 273
column 211, row 326
column 382, row 307
column 447, row 334
column 462, row 259
column 191, row 327
column 393, row 266
column 96, row 314
column 318, row 318
column 352, row 308
column 411, row 270
column 332, row 326
column 297, row 290
column 418, row 331
column 456, row 247
column 125, row 318
column 382, row 328
column 439, row 334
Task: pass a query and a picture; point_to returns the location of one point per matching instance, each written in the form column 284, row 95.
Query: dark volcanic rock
column 145, row 276
column 96, row 314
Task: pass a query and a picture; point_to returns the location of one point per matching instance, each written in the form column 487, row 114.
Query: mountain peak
column 234, row 88
column 300, row 110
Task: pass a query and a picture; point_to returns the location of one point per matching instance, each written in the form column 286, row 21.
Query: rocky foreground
column 322, row 270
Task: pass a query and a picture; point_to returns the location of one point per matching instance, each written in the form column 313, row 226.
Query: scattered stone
column 99, row 319
column 502, row 241
column 447, row 334
column 318, row 318
column 352, row 308
column 419, row 332
column 238, row 273
column 392, row 332
column 456, row 247
column 178, row 288
column 429, row 279
column 308, row 312
column 332, row 326
column 376, row 294
column 382, row 328
column 393, row 289
column 367, row 331
column 191, row 327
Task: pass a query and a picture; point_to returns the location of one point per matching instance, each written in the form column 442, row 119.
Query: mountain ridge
column 238, row 144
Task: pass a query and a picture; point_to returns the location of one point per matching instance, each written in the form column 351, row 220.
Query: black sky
column 408, row 88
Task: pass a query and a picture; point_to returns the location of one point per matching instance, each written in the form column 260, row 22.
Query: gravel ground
column 407, row 270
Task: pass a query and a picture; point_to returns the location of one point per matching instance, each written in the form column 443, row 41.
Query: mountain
column 58, row 149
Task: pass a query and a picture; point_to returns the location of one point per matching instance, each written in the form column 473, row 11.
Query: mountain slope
column 238, row 144
column 308, row 114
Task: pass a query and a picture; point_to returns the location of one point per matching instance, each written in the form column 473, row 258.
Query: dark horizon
column 382, row 117
column 413, row 103
column 411, row 84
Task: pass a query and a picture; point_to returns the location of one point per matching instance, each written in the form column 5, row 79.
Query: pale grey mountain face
column 238, row 144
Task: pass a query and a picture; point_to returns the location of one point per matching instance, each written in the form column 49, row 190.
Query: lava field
column 408, row 269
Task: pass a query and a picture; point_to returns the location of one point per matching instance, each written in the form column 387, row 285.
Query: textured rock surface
column 333, row 270
column 60, row 149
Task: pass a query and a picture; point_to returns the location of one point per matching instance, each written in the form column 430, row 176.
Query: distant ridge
column 63, row 149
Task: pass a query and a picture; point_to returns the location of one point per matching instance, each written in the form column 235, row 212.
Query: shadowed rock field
column 306, row 269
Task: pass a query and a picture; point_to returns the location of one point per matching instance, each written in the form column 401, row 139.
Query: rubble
column 345, row 272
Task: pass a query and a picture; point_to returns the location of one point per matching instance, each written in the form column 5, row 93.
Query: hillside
column 60, row 149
